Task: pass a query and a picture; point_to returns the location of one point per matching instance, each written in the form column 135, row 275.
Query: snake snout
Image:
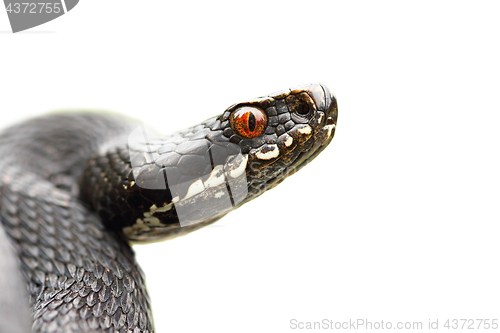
column 330, row 106
column 323, row 99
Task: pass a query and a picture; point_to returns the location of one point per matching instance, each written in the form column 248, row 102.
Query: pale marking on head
column 216, row 177
column 152, row 221
column 330, row 129
column 163, row 209
column 235, row 166
column 153, row 209
column 143, row 224
column 128, row 230
column 138, row 227
column 194, row 188
column 239, row 168
column 288, row 141
column 305, row 130
column 320, row 118
column 274, row 152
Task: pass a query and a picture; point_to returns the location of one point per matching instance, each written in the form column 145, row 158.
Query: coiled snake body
column 75, row 188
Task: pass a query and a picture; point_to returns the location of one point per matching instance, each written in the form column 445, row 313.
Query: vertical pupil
column 252, row 122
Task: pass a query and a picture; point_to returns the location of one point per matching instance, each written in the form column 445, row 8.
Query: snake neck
column 163, row 187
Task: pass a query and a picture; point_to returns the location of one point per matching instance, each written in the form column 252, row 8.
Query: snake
column 78, row 189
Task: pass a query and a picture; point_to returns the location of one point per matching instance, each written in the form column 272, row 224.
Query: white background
column 397, row 220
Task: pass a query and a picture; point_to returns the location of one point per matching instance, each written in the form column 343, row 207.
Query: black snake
column 75, row 188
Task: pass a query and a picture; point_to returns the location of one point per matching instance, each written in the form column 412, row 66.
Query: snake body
column 76, row 188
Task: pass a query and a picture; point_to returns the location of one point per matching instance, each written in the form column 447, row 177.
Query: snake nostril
column 301, row 104
column 302, row 108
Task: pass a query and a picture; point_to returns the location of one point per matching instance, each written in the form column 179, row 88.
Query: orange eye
column 248, row 122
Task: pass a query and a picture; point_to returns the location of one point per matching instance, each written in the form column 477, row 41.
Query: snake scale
column 76, row 188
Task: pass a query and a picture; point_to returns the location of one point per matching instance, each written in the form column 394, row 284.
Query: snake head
column 159, row 187
column 299, row 124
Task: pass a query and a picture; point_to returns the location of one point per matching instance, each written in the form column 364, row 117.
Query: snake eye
column 248, row 121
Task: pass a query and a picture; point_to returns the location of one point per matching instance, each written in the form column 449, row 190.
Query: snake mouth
column 302, row 159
